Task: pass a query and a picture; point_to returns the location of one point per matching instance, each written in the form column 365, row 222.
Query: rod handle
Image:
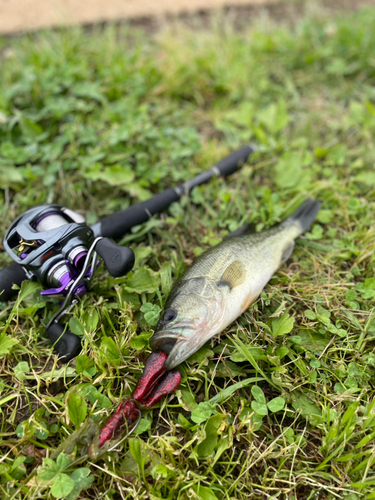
column 67, row 345
column 11, row 275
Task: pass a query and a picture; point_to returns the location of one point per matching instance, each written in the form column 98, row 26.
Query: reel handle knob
column 118, row 260
column 67, row 344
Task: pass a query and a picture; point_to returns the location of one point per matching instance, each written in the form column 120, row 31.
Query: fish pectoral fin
column 287, row 252
column 233, row 275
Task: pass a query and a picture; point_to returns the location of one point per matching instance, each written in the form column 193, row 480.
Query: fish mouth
column 166, row 340
column 178, row 342
column 182, row 350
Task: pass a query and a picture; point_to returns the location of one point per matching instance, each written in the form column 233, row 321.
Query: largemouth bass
column 222, row 283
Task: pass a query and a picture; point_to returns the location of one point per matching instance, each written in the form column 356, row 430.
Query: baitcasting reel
column 56, row 247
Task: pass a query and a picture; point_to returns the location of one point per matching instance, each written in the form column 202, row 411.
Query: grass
column 282, row 405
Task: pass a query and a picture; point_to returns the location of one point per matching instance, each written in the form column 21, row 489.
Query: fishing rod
column 53, row 245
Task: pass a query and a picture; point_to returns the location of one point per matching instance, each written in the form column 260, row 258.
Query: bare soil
column 19, row 16
column 27, row 15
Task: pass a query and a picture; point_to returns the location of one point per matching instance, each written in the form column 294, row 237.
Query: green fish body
column 222, row 283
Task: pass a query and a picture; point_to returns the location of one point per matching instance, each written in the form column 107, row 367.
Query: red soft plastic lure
column 155, row 382
column 126, row 411
column 152, row 371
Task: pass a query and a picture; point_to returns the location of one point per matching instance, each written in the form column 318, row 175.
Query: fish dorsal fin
column 249, row 228
column 233, row 275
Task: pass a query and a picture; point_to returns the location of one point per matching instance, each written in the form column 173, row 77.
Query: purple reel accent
column 81, row 256
column 65, row 280
column 80, row 290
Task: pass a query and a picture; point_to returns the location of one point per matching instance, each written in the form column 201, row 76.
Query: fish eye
column 169, row 315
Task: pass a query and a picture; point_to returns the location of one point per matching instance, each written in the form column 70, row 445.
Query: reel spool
column 56, row 247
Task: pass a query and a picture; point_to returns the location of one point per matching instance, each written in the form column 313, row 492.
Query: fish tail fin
column 304, row 216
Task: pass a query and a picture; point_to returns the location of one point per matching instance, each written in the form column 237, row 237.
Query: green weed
column 282, row 405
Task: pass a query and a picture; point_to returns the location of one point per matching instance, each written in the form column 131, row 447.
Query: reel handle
column 118, row 260
column 67, row 345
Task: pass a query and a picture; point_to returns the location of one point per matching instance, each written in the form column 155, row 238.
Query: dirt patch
column 26, row 15
column 30, row 15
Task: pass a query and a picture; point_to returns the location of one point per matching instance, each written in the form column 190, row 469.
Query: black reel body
column 50, row 242
column 56, row 247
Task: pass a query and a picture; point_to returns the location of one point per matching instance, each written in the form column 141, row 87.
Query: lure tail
column 155, row 383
